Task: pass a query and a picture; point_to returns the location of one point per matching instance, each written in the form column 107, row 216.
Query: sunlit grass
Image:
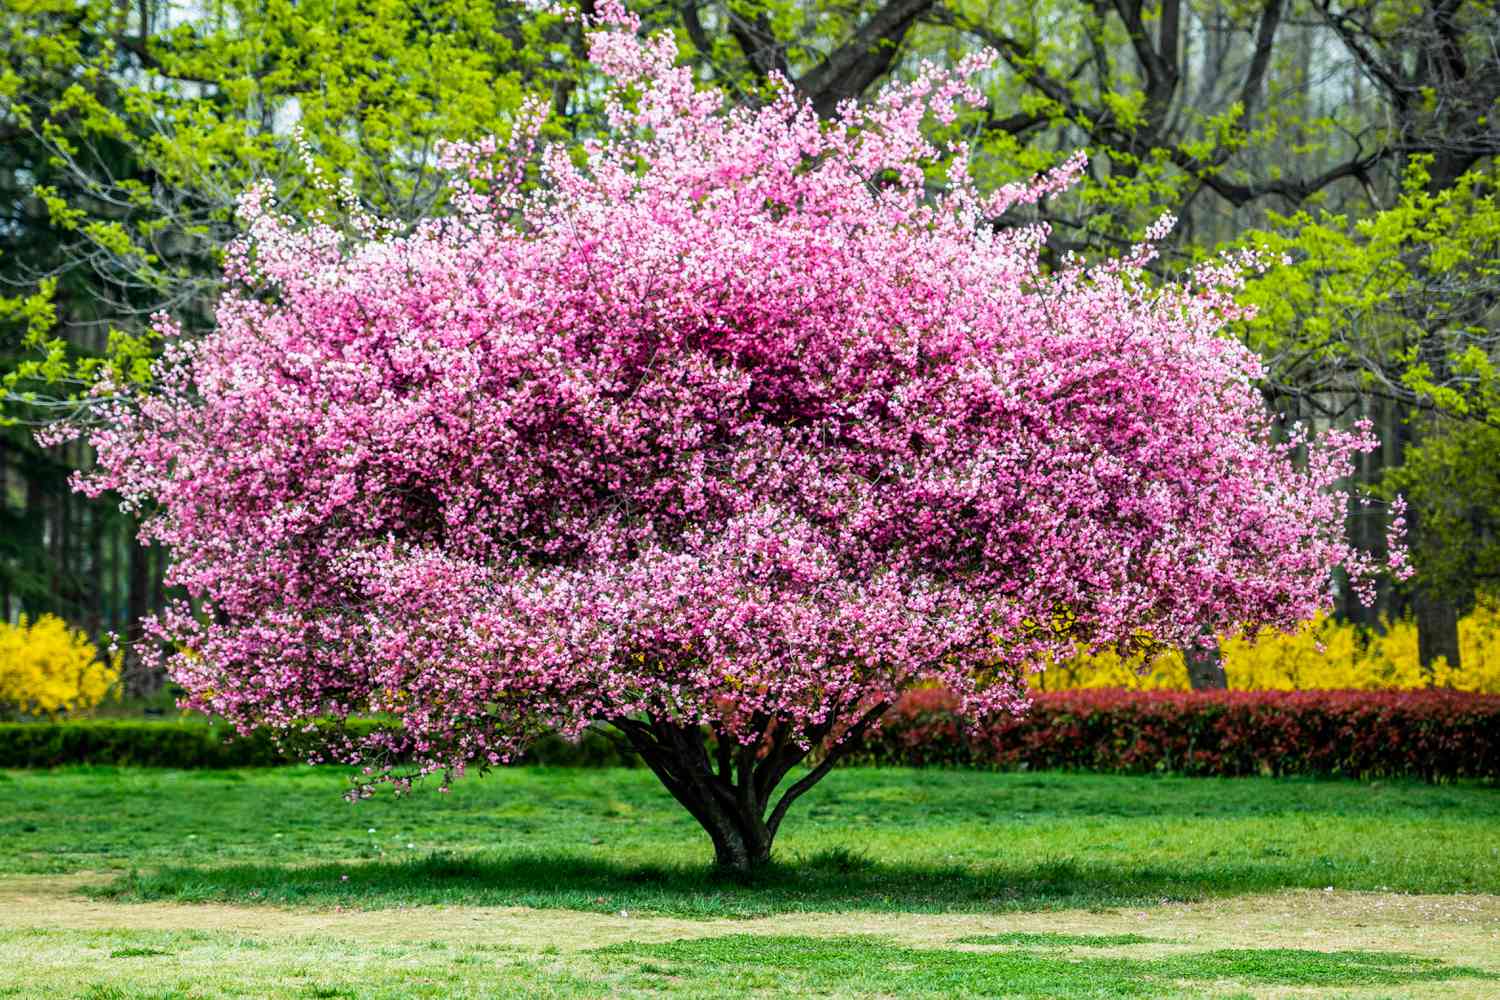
column 866, row 839
column 136, row 965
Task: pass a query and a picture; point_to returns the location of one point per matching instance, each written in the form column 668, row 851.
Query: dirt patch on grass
column 1463, row 929
column 53, row 937
column 55, row 902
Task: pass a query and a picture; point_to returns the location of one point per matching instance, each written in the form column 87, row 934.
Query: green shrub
column 1436, row 735
column 195, row 743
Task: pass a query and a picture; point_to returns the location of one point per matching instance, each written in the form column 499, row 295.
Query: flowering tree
column 722, row 433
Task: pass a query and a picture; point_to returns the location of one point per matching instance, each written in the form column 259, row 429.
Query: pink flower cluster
column 729, row 419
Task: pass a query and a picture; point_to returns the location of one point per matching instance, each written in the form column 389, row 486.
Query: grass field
column 138, row 883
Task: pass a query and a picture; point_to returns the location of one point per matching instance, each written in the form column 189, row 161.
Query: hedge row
column 1432, row 734
column 199, row 744
column 1436, row 735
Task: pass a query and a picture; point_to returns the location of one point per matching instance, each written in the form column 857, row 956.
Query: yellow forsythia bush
column 1327, row 655
column 47, row 668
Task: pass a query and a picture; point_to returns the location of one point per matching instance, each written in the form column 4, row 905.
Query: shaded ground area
column 865, row 839
column 55, row 941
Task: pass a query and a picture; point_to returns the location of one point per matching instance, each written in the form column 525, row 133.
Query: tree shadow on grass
column 859, row 964
column 830, row 880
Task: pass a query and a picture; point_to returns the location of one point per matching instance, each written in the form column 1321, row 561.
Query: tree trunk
column 5, row 517
column 140, row 680
column 1437, row 630
column 742, row 845
column 730, row 788
column 1205, row 666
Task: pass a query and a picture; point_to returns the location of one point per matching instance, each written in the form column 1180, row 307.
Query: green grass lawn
column 134, row 965
column 866, row 839
column 889, row 883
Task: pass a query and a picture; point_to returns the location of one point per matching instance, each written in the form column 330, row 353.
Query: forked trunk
column 729, row 787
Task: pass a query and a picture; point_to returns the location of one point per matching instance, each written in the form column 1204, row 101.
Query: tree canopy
column 1300, row 124
column 702, row 429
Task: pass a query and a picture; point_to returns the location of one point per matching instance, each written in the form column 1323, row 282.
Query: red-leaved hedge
column 1436, row 735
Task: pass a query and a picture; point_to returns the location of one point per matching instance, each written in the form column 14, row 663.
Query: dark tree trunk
column 1205, row 667
column 1434, row 606
column 730, row 787
column 140, row 680
column 1437, row 629
column 5, row 517
column 36, row 517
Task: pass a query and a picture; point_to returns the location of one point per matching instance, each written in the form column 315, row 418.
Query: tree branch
column 824, row 766
column 864, row 58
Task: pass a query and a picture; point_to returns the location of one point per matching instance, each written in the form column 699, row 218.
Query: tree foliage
column 1393, row 316
column 129, row 129
column 1397, row 305
column 144, row 124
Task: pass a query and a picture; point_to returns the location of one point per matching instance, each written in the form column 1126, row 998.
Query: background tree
column 1450, row 480
column 1393, row 317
